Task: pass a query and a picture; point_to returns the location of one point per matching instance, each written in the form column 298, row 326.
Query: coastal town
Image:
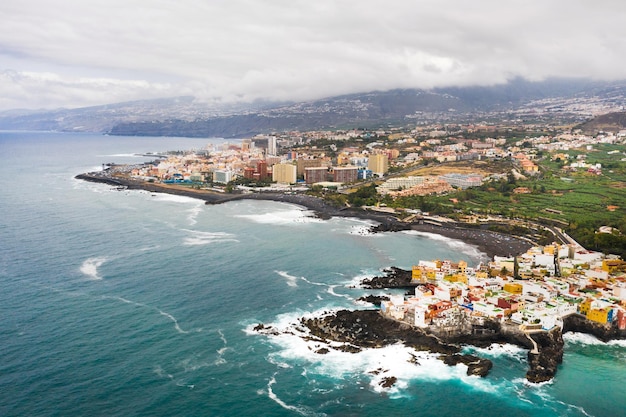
column 340, row 159
column 535, row 290
column 530, row 297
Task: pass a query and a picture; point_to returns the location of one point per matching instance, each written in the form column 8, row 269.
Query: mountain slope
column 186, row 116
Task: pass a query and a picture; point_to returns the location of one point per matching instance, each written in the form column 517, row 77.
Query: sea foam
column 587, row 339
column 180, row 199
column 296, row 348
column 205, row 238
column 282, row 217
column 455, row 244
column 90, row 267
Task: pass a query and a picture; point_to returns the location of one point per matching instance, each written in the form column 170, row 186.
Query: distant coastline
column 489, row 242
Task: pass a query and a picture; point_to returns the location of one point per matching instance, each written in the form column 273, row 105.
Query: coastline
column 373, row 329
column 486, row 241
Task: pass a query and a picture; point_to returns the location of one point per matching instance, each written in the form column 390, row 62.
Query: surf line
column 161, row 312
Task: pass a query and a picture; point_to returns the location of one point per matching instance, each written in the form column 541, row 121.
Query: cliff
column 580, row 324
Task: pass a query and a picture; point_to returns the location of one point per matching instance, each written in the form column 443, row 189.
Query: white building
column 222, row 176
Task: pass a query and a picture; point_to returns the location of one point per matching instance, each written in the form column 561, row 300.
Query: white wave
column 219, row 331
column 576, row 407
column 498, row 349
column 291, row 280
column 528, row 384
column 161, row 312
column 331, row 291
column 355, row 282
column 321, row 284
column 176, row 326
column 181, row 199
column 455, row 244
column 399, row 361
column 587, row 339
column 220, row 352
column 90, row 267
column 300, row 410
column 282, row 217
column 362, row 230
column 192, row 217
column 205, row 238
column 158, row 370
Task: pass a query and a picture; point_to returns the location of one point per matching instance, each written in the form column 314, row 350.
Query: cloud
column 76, row 53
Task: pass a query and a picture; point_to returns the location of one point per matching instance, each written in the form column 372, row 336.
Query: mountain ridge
column 188, row 116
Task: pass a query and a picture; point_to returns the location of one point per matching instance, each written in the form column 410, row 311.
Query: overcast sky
column 74, row 53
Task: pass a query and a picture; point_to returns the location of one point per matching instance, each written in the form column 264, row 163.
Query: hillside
column 554, row 101
column 610, row 122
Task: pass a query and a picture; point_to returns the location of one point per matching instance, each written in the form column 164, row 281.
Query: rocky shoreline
column 355, row 330
column 488, row 242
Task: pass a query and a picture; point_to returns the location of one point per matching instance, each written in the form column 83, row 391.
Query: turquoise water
column 129, row 303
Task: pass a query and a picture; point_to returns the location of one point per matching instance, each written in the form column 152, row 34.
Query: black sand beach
column 488, row 242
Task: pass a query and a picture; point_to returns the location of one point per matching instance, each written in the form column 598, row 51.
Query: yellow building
column 600, row 315
column 513, row 287
column 612, row 265
column 482, row 274
column 378, row 164
column 284, row 173
column 584, row 307
column 416, row 273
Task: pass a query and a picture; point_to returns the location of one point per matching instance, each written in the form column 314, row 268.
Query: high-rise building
column 315, row 174
column 271, row 145
column 378, row 164
column 345, row 175
column 248, row 172
column 284, row 173
column 222, row 176
column 261, row 169
column 307, row 163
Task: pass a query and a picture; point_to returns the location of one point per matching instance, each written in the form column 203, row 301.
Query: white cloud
column 74, row 53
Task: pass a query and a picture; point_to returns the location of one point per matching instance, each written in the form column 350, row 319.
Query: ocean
column 130, row 303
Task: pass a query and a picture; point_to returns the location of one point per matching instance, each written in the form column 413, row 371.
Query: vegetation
column 578, row 201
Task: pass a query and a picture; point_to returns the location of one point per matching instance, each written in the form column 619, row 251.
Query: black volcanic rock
column 394, row 278
column 543, row 366
column 369, row 329
column 580, row 324
column 475, row 365
column 374, row 299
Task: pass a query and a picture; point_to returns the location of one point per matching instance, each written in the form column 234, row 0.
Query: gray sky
column 73, row 53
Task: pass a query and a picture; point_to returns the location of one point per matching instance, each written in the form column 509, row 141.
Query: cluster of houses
column 535, row 290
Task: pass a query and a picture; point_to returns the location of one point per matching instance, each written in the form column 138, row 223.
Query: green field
column 580, row 202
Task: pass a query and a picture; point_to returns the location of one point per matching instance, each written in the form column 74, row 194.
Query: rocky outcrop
column 393, row 278
column 374, row 299
column 543, row 365
column 390, row 226
column 368, row 329
column 475, row 365
column 580, row 324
